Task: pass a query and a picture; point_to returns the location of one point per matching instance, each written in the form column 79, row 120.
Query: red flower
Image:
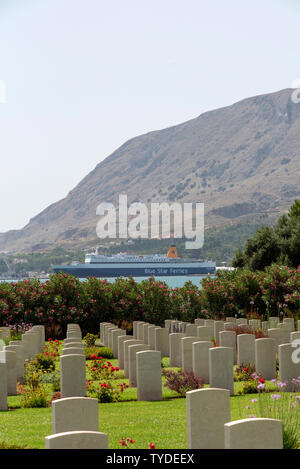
column 152, row 446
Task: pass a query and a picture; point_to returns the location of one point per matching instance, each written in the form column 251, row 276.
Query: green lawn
column 162, row 423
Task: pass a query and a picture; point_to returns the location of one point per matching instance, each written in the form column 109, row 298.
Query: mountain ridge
column 241, row 160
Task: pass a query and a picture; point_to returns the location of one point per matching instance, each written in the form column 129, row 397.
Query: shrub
column 32, row 375
column 64, row 299
column 44, row 362
column 248, row 387
column 244, row 372
column 104, row 392
column 53, row 379
column 34, row 398
column 90, row 339
column 104, row 352
column 181, row 381
column 101, row 370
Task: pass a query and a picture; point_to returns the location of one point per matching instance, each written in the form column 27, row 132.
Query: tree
column 295, row 210
column 280, row 244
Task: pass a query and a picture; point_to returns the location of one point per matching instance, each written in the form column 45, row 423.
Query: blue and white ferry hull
column 167, row 269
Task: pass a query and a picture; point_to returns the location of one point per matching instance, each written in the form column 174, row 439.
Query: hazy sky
column 84, row 76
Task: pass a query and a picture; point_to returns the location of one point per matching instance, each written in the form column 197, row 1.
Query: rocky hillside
column 242, row 161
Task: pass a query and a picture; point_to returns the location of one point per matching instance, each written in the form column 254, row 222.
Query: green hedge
column 64, row 299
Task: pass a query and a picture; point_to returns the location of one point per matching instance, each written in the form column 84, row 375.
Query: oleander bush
column 64, row 299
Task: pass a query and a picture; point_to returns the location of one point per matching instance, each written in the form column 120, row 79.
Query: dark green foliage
column 279, row 244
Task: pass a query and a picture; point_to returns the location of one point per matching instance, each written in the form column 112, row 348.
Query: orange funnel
column 172, row 252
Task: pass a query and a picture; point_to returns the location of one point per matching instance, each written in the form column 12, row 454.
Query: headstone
column 72, row 341
column 229, row 325
column 228, row 339
column 41, row 330
column 73, row 376
column 191, row 330
column 205, row 333
column 288, row 366
column 209, row 323
column 72, row 351
column 121, row 340
column 175, row 348
column 145, row 333
column 10, row 358
column 74, row 414
column 245, row 349
column 199, row 322
column 201, row 359
column 291, row 323
column 74, row 326
column 279, row 335
column 253, row 433
column 221, row 368
column 265, row 326
column 74, row 335
column 168, row 323
column 294, row 336
column 102, row 324
column 20, row 359
column 273, row 321
column 3, row 386
column 74, row 344
column 265, row 358
column 132, row 351
column 187, row 353
column 151, row 336
column 134, row 328
column 207, row 411
column 115, row 333
column 77, row 440
column 148, row 370
column 140, row 330
column 31, row 343
column 242, row 322
column 231, row 319
column 126, row 344
column 218, row 327
column 105, row 333
column 162, row 341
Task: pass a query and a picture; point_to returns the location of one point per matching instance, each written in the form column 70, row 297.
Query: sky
column 78, row 78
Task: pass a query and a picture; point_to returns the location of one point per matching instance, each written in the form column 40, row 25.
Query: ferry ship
column 133, row 265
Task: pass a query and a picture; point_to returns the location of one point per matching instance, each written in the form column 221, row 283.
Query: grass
column 162, row 423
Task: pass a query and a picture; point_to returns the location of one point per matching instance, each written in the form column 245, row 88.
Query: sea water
column 172, row 282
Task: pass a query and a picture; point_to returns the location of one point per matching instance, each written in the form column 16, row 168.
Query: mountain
column 242, row 161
